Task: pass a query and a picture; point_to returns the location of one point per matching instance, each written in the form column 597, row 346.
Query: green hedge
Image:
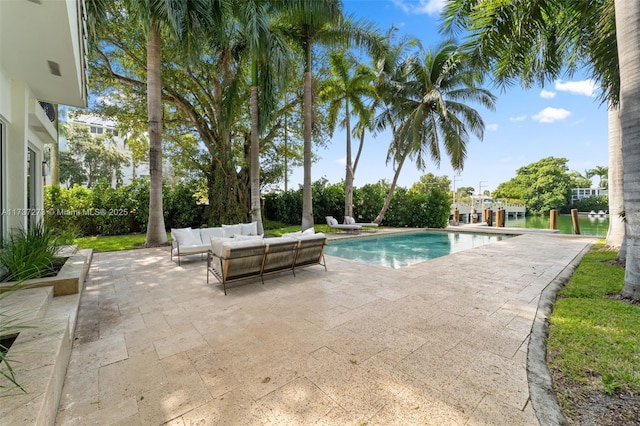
column 104, row 210
column 408, row 208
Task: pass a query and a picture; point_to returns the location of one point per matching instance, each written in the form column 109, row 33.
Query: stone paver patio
column 443, row 342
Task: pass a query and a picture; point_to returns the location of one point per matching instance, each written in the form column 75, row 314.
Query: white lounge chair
column 333, row 223
column 351, row 221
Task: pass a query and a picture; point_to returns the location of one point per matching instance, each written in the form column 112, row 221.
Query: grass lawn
column 594, row 338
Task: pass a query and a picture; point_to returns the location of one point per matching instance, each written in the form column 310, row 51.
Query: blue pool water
column 400, row 250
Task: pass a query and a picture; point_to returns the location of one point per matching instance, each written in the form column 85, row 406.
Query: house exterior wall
column 26, row 78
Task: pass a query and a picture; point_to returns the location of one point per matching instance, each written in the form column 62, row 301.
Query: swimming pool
column 404, row 249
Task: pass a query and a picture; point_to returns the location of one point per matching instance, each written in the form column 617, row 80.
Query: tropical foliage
column 540, row 186
column 408, row 207
column 90, row 158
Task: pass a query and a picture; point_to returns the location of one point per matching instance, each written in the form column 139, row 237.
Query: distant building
column 99, row 126
column 578, row 194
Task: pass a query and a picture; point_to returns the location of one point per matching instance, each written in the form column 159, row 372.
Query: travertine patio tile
column 182, row 338
column 297, row 402
column 130, row 377
column 354, row 345
column 121, row 324
column 493, row 412
column 182, row 391
column 419, row 406
column 347, row 383
column 97, row 412
column 503, row 378
column 233, row 408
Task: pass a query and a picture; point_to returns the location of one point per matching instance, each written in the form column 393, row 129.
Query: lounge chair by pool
column 333, row 223
column 351, row 221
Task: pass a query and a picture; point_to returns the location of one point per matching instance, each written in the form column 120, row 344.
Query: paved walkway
column 443, row 342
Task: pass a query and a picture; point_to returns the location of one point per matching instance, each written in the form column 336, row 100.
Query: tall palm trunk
column 392, row 189
column 254, row 171
column 615, row 235
column 628, row 38
column 307, row 200
column 348, row 179
column 156, row 232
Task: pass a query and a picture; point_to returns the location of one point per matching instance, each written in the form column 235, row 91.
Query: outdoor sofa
column 244, row 257
column 187, row 241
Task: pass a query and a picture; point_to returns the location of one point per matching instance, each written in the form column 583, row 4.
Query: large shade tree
column 183, row 21
column 207, row 127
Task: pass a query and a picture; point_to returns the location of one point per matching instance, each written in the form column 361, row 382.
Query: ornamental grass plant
column 28, row 254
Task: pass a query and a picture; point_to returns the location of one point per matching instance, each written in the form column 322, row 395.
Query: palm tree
column 602, row 173
column 429, row 109
column 183, row 20
column 539, row 41
column 580, row 30
column 347, row 91
column 628, row 37
column 268, row 56
column 307, row 23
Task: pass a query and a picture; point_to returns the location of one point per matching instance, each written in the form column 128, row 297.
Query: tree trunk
column 348, row 179
column 392, row 189
column 628, row 37
column 254, row 171
column 156, row 232
column 615, row 235
column 307, row 200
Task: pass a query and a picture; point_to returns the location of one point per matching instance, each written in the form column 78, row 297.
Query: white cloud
column 342, row 161
column 421, row 7
column 547, row 94
column 549, row 115
column 518, row 118
column 583, row 87
column 492, row 127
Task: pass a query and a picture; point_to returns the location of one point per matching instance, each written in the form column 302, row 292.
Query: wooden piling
column 500, row 217
column 456, row 216
column 489, row 217
column 553, row 219
column 574, row 219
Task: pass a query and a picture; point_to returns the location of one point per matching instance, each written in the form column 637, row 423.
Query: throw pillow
column 249, row 228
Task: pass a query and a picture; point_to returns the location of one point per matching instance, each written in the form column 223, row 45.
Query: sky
column 563, row 119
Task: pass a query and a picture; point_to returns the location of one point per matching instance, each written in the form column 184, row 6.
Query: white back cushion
column 186, row 236
column 207, row 233
column 231, row 230
column 349, row 220
column 249, row 228
column 309, row 231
